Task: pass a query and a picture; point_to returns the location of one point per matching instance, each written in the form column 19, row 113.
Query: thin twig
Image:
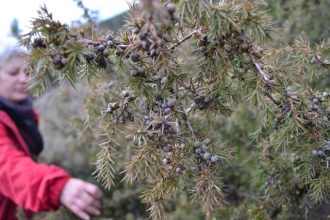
column 185, row 38
column 321, row 62
column 188, row 121
column 278, row 103
column 259, row 69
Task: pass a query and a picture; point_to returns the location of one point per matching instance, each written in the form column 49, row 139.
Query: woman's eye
column 13, row 73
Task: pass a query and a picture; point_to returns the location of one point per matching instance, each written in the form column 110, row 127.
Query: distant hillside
column 114, row 23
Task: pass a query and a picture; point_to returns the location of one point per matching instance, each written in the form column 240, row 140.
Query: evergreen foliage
column 211, row 111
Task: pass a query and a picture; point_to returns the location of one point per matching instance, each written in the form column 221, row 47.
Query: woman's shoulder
column 4, row 117
column 6, row 122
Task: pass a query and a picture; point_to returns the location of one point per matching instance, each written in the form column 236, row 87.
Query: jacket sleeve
column 32, row 186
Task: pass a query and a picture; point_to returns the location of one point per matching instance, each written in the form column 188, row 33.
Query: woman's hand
column 82, row 198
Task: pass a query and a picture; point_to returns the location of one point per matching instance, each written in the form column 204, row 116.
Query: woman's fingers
column 89, row 204
column 79, row 212
column 94, row 191
column 82, row 198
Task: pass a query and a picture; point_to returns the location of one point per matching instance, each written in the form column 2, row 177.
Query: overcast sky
column 63, row 10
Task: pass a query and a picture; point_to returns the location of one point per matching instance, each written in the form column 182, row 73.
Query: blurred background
column 66, row 11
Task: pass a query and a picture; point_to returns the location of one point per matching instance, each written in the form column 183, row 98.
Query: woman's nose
column 23, row 77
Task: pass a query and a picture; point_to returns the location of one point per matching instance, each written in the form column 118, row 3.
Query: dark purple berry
column 101, row 47
column 166, row 148
column 141, row 70
column 203, row 37
column 231, row 56
column 197, row 98
column 109, row 37
column 56, row 59
column 207, row 156
column 198, row 150
column 109, row 43
column 207, row 99
column 164, row 105
column 125, row 93
column 106, row 52
column 197, row 144
column 145, row 45
column 247, row 60
column 129, row 99
column 89, row 57
column 160, row 42
column 203, row 147
column 134, row 73
column 207, row 141
column 153, row 53
column 194, row 106
column 214, row 158
column 158, row 96
column 228, row 48
column 135, row 57
column 166, row 126
column 130, row 118
column 150, row 134
column 63, row 60
column 167, row 110
column 170, row 8
column 174, row 17
column 171, row 103
column 203, row 49
column 201, row 105
column 233, row 42
column 135, row 30
column 240, row 38
column 164, row 80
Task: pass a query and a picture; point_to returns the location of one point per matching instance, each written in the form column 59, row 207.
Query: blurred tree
column 301, row 18
column 114, row 23
column 15, row 31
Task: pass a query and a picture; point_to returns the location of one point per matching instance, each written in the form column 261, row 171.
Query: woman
column 23, row 182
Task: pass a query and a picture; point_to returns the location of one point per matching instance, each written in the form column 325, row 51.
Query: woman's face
column 14, row 79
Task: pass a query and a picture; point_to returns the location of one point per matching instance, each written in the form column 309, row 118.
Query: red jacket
column 23, row 182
